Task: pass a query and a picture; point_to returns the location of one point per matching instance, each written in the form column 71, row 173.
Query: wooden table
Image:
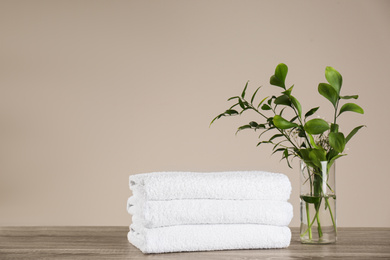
column 111, row 243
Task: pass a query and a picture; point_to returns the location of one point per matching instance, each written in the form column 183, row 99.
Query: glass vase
column 318, row 203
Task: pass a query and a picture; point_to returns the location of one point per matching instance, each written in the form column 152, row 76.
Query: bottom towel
column 208, row 237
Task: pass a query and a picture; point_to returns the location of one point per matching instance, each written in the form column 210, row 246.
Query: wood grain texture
column 111, row 243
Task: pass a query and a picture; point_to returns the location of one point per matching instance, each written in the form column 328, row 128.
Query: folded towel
column 208, row 237
column 212, row 185
column 152, row 214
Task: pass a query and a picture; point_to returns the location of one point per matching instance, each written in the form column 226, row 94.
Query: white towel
column 152, row 214
column 211, row 185
column 208, row 237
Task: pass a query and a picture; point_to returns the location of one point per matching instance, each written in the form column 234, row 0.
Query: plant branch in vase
column 316, row 142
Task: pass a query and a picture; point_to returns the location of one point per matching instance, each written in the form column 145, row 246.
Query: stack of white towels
column 198, row 211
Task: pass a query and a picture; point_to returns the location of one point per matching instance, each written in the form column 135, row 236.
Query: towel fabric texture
column 241, row 185
column 195, row 211
column 208, row 237
column 152, row 214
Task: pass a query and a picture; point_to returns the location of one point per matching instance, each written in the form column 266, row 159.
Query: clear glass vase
column 318, row 203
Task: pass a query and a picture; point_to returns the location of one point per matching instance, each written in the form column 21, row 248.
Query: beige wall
column 92, row 91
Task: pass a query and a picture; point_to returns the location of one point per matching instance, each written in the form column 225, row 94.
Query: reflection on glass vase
column 318, row 203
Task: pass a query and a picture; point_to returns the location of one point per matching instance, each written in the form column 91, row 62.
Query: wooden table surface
column 111, row 243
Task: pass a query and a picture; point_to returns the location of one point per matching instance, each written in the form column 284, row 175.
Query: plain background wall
column 93, row 91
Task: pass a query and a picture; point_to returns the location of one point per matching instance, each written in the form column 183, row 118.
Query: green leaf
column 265, row 107
column 281, row 112
column 278, row 150
column 283, row 100
column 313, row 159
column 352, row 133
column 318, row 155
column 245, row 109
column 216, row 118
column 350, row 97
column 260, row 126
column 231, row 112
column 297, row 105
column 288, row 91
column 275, row 136
column 265, row 131
column 243, row 92
column 264, row 142
column 301, row 132
column 351, row 107
column 243, row 127
column 337, row 141
column 311, row 199
column 270, row 100
column 332, row 153
column 261, row 102
column 282, row 123
column 279, row 77
column 334, row 78
column 242, row 104
column 278, row 143
column 270, row 121
column 328, row 92
column 281, row 71
column 253, row 124
column 304, row 154
column 312, row 142
column 331, row 161
column 275, row 81
column 254, row 94
column 285, row 155
column 233, row 98
column 234, row 105
column 334, row 128
column 311, row 112
column 316, row 126
column 293, row 119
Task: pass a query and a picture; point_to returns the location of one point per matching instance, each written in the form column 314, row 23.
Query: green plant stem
column 311, row 185
column 300, row 120
column 308, row 220
column 311, row 223
column 317, row 192
column 331, row 214
column 335, row 110
column 317, row 218
column 287, row 137
column 328, row 205
column 319, row 228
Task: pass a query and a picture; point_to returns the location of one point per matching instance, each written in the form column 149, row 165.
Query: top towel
column 240, row 185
